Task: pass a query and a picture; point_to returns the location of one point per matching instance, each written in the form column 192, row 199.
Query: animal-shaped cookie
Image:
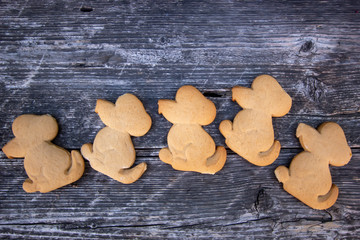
column 191, row 148
column 308, row 178
column 48, row 166
column 251, row 135
column 113, row 152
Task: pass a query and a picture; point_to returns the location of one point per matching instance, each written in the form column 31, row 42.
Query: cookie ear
column 14, row 149
column 47, row 127
column 190, row 107
column 131, row 115
column 188, row 93
column 206, row 113
column 194, row 107
column 35, row 127
column 140, row 126
column 336, row 148
column 280, row 103
column 271, row 96
column 137, row 120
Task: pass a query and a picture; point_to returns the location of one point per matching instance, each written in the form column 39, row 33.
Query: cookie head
column 265, row 94
column 328, row 142
column 189, row 107
column 336, row 148
column 29, row 130
column 127, row 114
column 40, row 127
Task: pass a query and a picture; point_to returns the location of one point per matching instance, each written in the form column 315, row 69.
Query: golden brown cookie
column 251, row 135
column 48, row 166
column 113, row 152
column 191, row 148
column 308, row 178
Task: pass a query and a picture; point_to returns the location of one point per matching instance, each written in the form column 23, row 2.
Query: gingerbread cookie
column 251, row 135
column 191, row 148
column 308, row 178
column 48, row 166
column 113, row 152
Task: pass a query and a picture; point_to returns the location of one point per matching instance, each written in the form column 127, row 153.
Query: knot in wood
column 307, row 46
column 263, row 201
column 315, row 88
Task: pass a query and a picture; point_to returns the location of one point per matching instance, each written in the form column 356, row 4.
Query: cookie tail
column 268, row 157
column 282, row 174
column 130, row 175
column 327, row 200
column 29, row 186
column 77, row 167
column 217, row 161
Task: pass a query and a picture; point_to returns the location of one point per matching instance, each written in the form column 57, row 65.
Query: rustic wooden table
column 58, row 57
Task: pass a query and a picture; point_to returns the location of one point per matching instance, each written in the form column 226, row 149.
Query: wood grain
column 238, row 201
column 59, row 56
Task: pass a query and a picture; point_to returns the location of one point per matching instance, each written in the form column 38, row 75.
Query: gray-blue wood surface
column 58, row 57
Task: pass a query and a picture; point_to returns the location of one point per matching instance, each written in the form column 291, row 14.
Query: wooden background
column 58, row 57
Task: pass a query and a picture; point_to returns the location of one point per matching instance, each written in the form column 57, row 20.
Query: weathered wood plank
column 74, row 110
column 59, row 56
column 165, row 203
column 327, row 95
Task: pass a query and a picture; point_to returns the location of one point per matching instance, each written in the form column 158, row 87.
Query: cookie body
column 308, row 178
column 112, row 152
column 251, row 134
column 184, row 145
column 48, row 166
column 191, row 148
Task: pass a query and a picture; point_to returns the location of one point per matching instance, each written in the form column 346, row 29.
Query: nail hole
column 86, row 9
column 80, row 64
column 212, row 94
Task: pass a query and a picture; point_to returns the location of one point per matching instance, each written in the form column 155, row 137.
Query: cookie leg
column 282, row 174
column 226, row 128
column 165, row 155
column 87, row 150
